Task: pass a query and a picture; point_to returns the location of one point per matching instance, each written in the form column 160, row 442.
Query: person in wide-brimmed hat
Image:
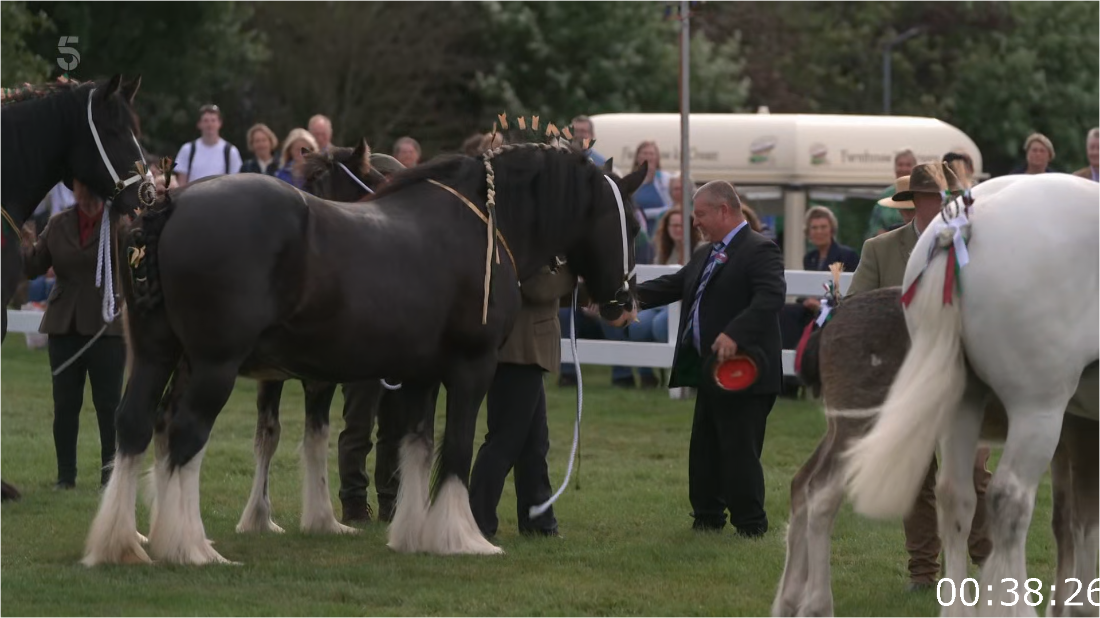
column 920, row 197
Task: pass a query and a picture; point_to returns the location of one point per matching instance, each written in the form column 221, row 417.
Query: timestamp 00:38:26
column 1031, row 595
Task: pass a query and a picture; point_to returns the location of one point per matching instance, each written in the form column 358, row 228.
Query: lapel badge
column 721, row 257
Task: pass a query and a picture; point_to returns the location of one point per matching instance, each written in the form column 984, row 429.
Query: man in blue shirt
column 582, row 130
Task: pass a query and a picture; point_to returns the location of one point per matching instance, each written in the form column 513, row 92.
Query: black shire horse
column 246, row 275
column 54, row 133
column 342, row 175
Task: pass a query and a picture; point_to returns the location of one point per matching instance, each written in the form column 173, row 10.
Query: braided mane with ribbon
column 952, row 235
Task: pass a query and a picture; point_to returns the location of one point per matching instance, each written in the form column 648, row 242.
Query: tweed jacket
column 536, row 337
column 882, row 263
column 75, row 304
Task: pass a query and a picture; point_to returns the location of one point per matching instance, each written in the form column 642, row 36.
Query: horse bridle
column 354, row 177
column 622, row 295
column 146, row 194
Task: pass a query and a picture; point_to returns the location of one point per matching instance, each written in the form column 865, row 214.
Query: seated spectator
column 652, row 197
column 1040, row 152
column 407, row 151
column 820, row 228
column 1092, row 144
column 293, row 170
column 584, row 129
column 320, row 127
column 262, row 144
column 884, row 219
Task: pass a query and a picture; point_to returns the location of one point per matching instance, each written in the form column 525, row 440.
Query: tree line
column 440, row 71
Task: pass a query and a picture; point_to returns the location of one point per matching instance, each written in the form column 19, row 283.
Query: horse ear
column 129, row 91
column 112, row 87
column 635, row 179
column 608, row 165
column 361, row 157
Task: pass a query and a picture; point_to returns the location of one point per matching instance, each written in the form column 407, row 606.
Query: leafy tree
column 378, row 70
column 559, row 59
column 21, row 64
column 996, row 70
column 188, row 54
column 1039, row 75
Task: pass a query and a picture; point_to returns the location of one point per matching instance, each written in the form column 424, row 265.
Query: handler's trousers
column 922, row 539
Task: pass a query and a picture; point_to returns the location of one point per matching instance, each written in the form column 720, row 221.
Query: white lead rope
column 354, row 177
column 535, row 511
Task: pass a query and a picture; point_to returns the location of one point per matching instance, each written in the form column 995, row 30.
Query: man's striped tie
column 694, row 315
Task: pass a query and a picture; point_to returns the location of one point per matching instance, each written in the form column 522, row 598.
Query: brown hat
column 889, row 202
column 385, row 164
column 929, row 178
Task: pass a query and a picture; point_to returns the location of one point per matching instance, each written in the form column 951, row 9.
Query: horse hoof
column 328, row 527
column 144, row 540
column 9, row 492
column 259, row 528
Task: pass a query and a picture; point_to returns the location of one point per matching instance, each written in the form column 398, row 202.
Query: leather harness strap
column 484, row 220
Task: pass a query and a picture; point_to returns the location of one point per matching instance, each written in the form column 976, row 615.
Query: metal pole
column 685, row 112
column 887, row 63
column 886, row 60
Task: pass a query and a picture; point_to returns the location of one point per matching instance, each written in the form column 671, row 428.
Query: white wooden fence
column 599, row 352
column 659, row 354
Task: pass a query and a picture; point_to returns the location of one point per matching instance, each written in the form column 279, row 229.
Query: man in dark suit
column 732, row 293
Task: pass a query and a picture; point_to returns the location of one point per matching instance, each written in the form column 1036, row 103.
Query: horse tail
column 886, row 467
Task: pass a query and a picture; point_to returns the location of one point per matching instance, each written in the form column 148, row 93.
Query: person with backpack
column 210, row 155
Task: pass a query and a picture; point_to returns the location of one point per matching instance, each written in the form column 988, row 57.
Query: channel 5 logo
column 63, row 47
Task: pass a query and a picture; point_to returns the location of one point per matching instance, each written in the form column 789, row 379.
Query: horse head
column 342, row 174
column 606, row 250
column 106, row 156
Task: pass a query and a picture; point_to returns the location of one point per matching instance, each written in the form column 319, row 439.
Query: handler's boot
column 356, row 510
column 386, row 507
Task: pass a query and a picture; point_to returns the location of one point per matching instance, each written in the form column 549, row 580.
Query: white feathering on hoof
column 412, row 496
column 114, row 538
column 177, row 535
column 450, row 527
column 317, row 515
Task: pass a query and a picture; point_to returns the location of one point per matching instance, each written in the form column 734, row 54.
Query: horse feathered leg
column 792, row 584
column 114, row 538
column 450, row 527
column 1061, row 485
column 177, row 534
column 257, row 513
column 1032, row 438
column 1084, row 441
column 414, row 470
column 956, row 498
column 317, row 515
column 825, row 497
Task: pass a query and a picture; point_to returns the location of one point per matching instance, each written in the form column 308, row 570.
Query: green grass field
column 627, row 546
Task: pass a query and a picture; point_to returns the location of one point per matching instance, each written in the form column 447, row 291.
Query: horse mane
column 441, row 168
column 33, row 92
column 121, row 110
